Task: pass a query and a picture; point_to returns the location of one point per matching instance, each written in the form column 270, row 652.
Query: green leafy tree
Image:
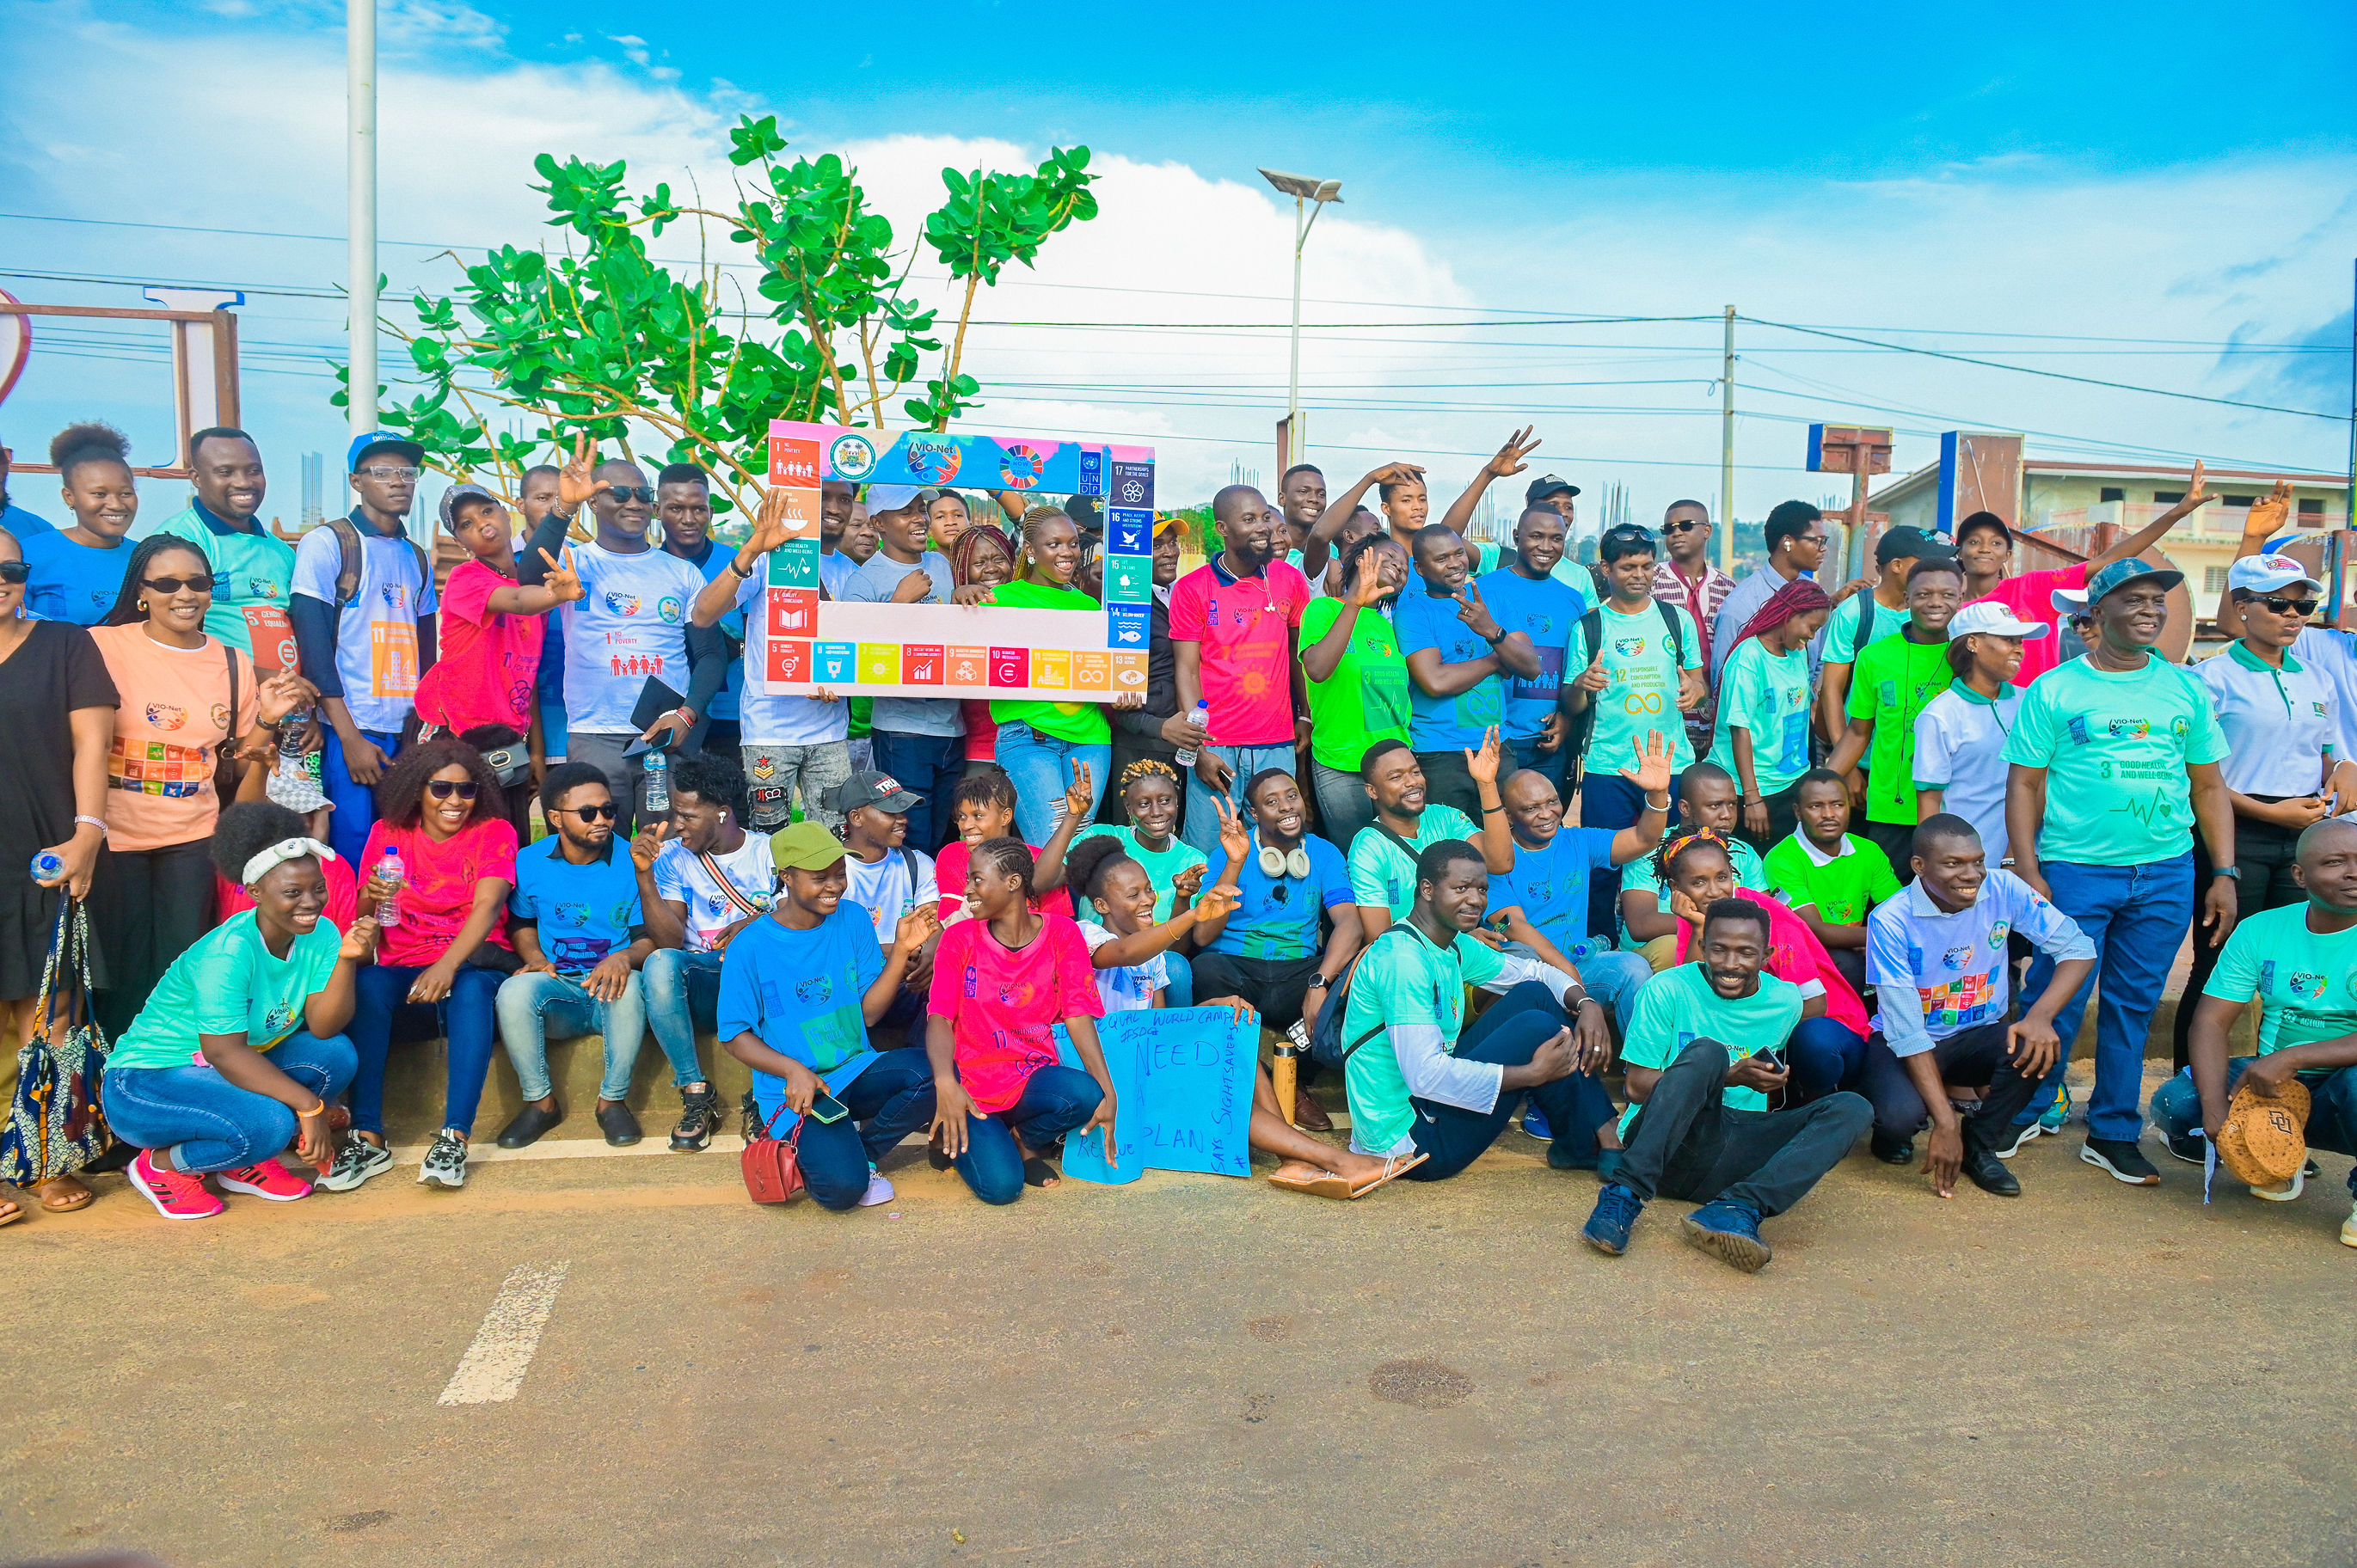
column 599, row 335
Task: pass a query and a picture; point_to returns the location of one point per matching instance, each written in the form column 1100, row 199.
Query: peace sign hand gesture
column 573, row 485
column 1079, row 799
column 562, row 581
column 1475, row 614
column 1234, row 841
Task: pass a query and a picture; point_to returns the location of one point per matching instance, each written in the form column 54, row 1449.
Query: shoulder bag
column 772, row 1166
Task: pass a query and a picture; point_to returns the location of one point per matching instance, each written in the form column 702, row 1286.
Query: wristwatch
column 2234, row 871
column 1317, row 979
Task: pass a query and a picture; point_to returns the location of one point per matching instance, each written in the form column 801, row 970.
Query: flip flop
column 1317, row 1183
column 78, row 1198
column 10, row 1212
column 1394, row 1169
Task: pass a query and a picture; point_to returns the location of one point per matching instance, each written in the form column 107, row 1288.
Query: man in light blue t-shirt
column 1526, row 597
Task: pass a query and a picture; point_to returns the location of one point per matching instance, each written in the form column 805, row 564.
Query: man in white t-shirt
column 701, row 877
column 889, row 877
column 363, row 606
column 919, row 740
column 631, row 627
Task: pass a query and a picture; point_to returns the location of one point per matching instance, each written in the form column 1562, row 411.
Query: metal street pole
column 1727, row 450
column 359, row 68
column 1296, row 448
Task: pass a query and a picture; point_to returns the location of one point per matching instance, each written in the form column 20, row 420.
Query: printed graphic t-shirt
column 1547, row 612
column 72, row 581
column 376, row 634
column 1643, row 694
column 1445, row 724
column 1550, row 884
column 486, row 662
column 1128, row 988
column 169, row 730
column 798, row 993
column 439, row 895
column 584, row 912
column 253, row 576
column 2115, row 746
column 629, row 628
column 1245, row 625
column 1004, row 1004
column 1767, row 695
column 2306, row 980
column 681, row 877
column 228, row 984
column 1678, row 1007
column 1366, row 700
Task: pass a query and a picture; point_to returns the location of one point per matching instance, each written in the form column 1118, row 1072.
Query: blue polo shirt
column 1276, row 917
column 1547, row 612
column 800, row 994
column 584, row 912
column 1551, row 887
column 71, row 581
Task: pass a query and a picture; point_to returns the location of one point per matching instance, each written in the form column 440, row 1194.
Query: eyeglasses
column 1688, row 525
column 443, row 788
column 389, row 473
column 15, row 571
column 2278, row 605
column 203, row 584
column 634, row 493
column 609, row 812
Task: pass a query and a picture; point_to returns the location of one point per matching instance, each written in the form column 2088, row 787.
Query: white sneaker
column 880, row 1191
column 2348, row 1230
column 2285, row 1193
column 446, row 1162
column 356, row 1162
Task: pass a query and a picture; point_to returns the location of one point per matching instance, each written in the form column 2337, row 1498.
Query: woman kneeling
column 240, row 1046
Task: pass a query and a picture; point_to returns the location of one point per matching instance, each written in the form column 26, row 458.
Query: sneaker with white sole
column 446, row 1162
column 2121, row 1160
column 2016, row 1139
column 2348, row 1230
column 356, row 1162
column 267, row 1179
column 2287, row 1192
column 2051, row 1119
column 176, row 1194
column 879, row 1190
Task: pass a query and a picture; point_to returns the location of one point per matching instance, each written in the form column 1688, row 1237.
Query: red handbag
column 772, row 1166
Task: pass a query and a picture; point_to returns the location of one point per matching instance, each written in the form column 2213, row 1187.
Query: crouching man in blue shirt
column 798, row 989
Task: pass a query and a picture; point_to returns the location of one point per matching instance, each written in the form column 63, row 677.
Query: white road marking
column 493, row 1367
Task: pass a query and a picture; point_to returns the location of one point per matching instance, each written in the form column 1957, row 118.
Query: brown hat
column 2264, row 1140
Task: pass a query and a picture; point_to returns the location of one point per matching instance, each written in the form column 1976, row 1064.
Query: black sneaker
column 1892, row 1151
column 699, row 1118
column 2191, row 1147
column 2122, row 1159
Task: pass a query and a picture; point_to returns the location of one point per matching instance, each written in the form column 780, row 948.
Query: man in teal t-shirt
column 254, row 569
column 2114, row 757
column 1895, row 680
column 1700, row 1077
column 1382, row 858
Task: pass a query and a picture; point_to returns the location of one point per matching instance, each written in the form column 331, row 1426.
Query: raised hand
column 1653, row 759
column 562, row 581
column 648, row 845
column 1395, row 473
column 1234, row 841
column 1483, row 763
column 1079, row 798
column 1218, row 900
column 1475, row 614
column 917, row 927
column 1370, row 589
column 279, row 696
column 2198, row 491
column 2267, row 513
column 1510, row 459
column 573, row 485
column 772, row 526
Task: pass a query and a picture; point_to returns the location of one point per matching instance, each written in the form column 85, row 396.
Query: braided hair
column 1148, row 768
column 1666, row 858
column 1006, row 858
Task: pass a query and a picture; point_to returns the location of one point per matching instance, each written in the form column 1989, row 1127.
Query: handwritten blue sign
column 1182, row 1078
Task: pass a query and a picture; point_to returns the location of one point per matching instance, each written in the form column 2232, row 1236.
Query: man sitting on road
column 1936, row 955
column 1423, row 1087
column 1383, row 855
column 1706, row 799
column 1698, row 1126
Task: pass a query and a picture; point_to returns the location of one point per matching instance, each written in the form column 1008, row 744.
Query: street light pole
column 359, row 86
column 1727, row 450
column 1317, row 193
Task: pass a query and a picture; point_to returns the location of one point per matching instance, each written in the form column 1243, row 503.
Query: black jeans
column 147, row 908
column 1974, row 1058
column 1851, row 961
column 1446, row 783
column 1510, row 1033
column 2263, row 852
column 1896, row 841
column 1685, row 1144
column 1274, row 986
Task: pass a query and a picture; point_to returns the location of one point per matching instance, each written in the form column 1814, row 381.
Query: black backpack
column 1579, row 728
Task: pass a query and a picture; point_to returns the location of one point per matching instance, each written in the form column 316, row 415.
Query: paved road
column 1191, row 1370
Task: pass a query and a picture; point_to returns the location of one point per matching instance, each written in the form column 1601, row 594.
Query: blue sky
column 2067, row 188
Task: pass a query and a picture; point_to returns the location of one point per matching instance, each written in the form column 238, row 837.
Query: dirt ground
column 1191, row 1371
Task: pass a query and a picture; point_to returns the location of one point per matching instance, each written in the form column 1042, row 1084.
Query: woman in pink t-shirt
column 439, row 806
column 1001, row 985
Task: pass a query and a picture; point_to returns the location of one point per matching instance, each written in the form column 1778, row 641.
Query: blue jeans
column 1608, row 800
column 931, row 764
column 1182, row 990
column 1056, row 1099
column 532, row 1007
column 682, row 991
column 1614, row 979
column 1202, row 826
column 355, row 813
column 464, row 1017
column 1040, row 766
column 1343, row 804
column 1824, row 1056
column 207, row 1124
column 2331, row 1110
column 890, row 1100
column 2137, row 917
column 1525, row 753
column 1510, row 1033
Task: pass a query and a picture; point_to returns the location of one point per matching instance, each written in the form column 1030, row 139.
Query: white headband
column 281, row 852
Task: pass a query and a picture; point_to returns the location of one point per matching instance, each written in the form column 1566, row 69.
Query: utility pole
column 1727, row 450
column 359, row 89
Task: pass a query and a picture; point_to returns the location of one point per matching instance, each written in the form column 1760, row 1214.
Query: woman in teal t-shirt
column 1038, row 739
column 1763, row 709
column 240, row 1046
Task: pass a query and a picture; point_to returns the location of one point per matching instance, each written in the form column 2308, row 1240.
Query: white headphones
column 1294, row 865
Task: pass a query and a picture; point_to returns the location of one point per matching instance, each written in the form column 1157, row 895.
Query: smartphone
column 827, row 1107
column 1772, row 1060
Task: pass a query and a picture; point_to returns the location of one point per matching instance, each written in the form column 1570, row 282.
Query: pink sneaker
column 176, row 1196
column 269, row 1179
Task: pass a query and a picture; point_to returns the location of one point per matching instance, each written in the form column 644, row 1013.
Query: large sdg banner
column 799, row 642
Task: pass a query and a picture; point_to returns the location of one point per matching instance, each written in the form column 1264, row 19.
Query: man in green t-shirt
column 1700, row 1063
column 1832, row 878
column 1866, row 617
column 2301, row 963
column 1382, row 858
column 1896, row 679
column 1357, row 681
column 2115, row 757
column 254, row 569
column 1424, row 1086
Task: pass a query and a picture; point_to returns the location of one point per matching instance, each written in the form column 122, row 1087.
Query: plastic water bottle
column 1202, row 717
column 48, row 864
column 658, row 781
column 388, row 912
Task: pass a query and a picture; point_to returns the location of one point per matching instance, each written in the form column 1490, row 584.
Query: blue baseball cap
column 2121, row 574
column 382, row 441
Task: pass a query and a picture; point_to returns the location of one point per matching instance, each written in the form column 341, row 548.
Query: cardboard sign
column 1182, row 1083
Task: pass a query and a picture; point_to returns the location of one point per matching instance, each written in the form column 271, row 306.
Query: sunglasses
column 443, row 788
column 609, row 812
column 2278, row 605
column 15, row 571
column 1685, row 527
column 203, row 584
column 634, row 493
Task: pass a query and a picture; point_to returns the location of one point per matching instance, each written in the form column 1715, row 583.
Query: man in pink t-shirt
column 1234, row 624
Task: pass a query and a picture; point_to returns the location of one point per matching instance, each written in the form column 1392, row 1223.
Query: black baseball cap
column 869, row 788
column 1906, row 543
column 1546, row 485
column 1985, row 520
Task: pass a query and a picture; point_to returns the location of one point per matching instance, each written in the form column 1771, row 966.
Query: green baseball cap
column 805, row 846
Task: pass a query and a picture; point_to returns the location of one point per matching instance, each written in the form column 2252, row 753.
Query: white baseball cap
column 2266, row 573
column 2068, row 601
column 891, row 497
column 1994, row 619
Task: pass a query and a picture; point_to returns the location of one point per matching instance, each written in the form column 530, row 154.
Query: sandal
column 61, row 1194
column 1394, row 1169
column 1299, row 1175
column 1037, row 1172
column 10, row 1212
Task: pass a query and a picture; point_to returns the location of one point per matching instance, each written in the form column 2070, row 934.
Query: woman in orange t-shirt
column 153, row 895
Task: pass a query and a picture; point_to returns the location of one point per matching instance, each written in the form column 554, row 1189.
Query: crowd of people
column 1795, row 860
